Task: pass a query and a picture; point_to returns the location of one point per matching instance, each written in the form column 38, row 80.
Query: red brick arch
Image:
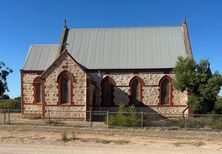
column 37, row 81
column 71, row 78
column 112, row 83
column 131, row 88
column 170, row 103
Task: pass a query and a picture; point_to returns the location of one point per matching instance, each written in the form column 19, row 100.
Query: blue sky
column 27, row 22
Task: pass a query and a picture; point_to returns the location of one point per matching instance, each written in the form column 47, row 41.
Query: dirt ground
column 23, row 139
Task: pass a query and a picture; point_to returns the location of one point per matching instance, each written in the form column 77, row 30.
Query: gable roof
column 127, row 48
column 40, row 56
column 116, row 48
column 58, row 61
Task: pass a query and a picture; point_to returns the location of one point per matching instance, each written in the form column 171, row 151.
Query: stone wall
column 66, row 112
column 79, row 84
column 51, row 90
column 35, row 109
column 121, row 90
column 79, row 91
column 28, row 88
column 150, row 90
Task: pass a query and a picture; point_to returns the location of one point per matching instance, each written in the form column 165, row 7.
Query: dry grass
column 64, row 136
column 103, row 141
column 32, row 117
column 191, row 143
column 94, row 136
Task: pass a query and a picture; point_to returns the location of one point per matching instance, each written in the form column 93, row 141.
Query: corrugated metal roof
column 40, row 56
column 127, row 48
column 116, row 48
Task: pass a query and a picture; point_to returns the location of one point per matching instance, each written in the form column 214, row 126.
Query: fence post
column 185, row 123
column 48, row 116
column 90, row 118
column 107, row 118
column 4, row 116
column 141, row 119
column 9, row 117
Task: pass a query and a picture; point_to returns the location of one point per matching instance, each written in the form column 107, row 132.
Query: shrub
column 214, row 122
column 8, row 104
column 126, row 117
column 198, row 122
column 208, row 121
column 217, row 123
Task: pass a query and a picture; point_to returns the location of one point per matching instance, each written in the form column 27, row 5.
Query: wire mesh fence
column 110, row 119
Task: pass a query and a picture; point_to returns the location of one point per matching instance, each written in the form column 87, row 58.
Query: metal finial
column 185, row 19
column 208, row 64
column 65, row 23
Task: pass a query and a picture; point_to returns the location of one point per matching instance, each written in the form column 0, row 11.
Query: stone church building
column 99, row 68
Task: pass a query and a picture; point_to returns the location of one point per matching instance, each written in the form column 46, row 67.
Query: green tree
column 202, row 86
column 218, row 105
column 4, row 72
column 5, row 96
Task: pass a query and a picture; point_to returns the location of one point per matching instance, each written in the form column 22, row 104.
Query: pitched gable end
column 60, row 61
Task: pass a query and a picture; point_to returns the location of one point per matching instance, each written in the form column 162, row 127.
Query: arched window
column 136, row 85
column 165, row 91
column 65, row 87
column 37, row 83
column 107, row 89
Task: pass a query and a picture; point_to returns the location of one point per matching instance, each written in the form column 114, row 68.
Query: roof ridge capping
column 134, row 27
column 42, row 44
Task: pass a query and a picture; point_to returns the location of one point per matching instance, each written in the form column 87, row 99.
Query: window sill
column 65, row 104
column 165, row 105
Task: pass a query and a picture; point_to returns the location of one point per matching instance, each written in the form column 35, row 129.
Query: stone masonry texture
column 150, row 91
